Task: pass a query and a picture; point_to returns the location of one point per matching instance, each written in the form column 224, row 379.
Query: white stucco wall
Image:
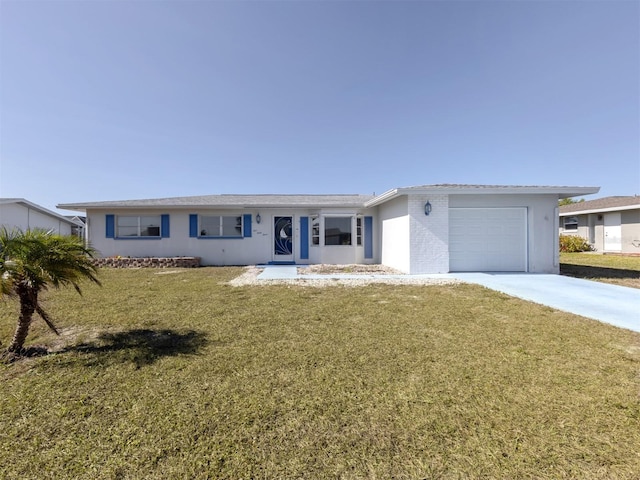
column 14, row 215
column 394, row 224
column 403, row 236
column 256, row 249
column 541, row 224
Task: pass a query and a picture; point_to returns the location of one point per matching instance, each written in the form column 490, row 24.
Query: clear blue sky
column 111, row 100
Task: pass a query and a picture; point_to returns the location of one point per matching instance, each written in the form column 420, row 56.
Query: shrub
column 573, row 244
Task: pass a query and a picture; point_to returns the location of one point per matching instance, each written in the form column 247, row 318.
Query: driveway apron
column 619, row 306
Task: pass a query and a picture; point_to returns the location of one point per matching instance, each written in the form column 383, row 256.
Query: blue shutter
column 368, row 237
column 193, row 225
column 110, row 223
column 164, row 226
column 247, row 225
column 304, row 238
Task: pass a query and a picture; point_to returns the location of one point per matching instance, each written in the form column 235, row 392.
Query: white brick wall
column 429, row 234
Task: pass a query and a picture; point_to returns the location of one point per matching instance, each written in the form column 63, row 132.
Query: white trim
column 38, row 208
column 600, row 210
column 556, row 238
column 562, row 192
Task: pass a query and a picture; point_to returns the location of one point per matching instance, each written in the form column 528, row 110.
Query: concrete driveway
column 619, row 306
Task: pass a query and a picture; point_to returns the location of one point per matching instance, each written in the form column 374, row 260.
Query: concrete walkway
column 278, row 272
column 619, row 306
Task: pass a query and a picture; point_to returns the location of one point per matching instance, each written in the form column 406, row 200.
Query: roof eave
column 599, row 210
column 578, row 191
column 561, row 192
column 45, row 211
column 84, row 208
column 384, row 197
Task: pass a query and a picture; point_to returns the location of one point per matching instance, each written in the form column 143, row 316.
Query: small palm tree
column 34, row 260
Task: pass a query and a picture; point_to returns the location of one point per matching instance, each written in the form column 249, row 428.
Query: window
column 359, row 231
column 315, row 231
column 571, row 223
column 138, row 226
column 220, row 226
column 337, row 230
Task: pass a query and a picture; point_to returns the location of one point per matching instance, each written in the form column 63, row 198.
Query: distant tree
column 569, row 201
column 33, row 261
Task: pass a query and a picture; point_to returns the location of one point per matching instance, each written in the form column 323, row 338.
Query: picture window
column 220, row 226
column 337, row 230
column 129, row 226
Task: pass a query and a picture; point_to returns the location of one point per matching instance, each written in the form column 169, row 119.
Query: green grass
column 182, row 376
column 616, row 269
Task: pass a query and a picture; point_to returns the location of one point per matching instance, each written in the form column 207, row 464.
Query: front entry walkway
column 619, row 306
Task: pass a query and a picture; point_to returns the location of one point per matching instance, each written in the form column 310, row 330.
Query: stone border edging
column 148, row 262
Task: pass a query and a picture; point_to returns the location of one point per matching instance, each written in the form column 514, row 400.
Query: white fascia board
column 75, row 208
column 561, row 192
column 384, row 197
column 44, row 211
column 599, row 210
column 84, row 208
column 168, row 207
column 568, row 192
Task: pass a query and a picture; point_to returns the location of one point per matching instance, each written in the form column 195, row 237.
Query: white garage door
column 488, row 239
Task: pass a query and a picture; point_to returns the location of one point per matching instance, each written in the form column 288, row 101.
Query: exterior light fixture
column 427, row 208
column 258, row 218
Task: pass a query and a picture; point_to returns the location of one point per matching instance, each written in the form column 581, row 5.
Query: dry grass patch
column 615, row 269
column 189, row 377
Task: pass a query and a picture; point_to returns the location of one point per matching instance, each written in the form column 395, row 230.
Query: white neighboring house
column 25, row 215
column 417, row 230
column 609, row 224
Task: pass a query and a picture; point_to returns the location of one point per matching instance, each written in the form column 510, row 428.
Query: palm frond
column 45, row 316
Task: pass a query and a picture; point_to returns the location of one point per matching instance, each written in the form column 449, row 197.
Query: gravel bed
column 353, row 269
column 250, row 277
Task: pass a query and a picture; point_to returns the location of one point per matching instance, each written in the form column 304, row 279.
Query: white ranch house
column 19, row 213
column 417, row 230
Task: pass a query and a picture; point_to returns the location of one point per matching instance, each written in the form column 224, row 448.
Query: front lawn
column 616, row 269
column 175, row 374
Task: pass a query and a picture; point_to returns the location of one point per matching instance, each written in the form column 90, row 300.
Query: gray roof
column 323, row 201
column 602, row 205
column 232, row 201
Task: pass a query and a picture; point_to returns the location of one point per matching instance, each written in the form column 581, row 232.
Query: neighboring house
column 25, row 215
column 424, row 229
column 78, row 228
column 610, row 224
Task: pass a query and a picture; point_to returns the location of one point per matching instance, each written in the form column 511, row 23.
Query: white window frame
column 351, row 232
column 219, row 231
column 139, row 226
column 314, row 226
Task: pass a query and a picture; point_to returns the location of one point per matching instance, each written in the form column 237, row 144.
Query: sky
column 117, row 100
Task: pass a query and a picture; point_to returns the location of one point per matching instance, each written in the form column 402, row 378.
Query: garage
column 488, row 239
